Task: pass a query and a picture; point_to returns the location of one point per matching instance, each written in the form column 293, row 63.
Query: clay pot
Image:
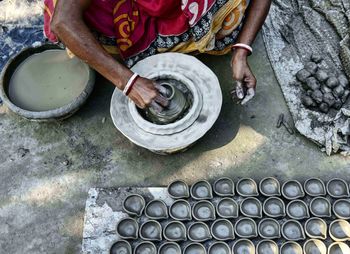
column 222, row 230
column 180, row 210
column 195, row 248
column 251, row 207
column 178, row 189
column 291, row 248
column 341, row 209
column 134, row 204
column 243, row 246
column 338, row 188
column 315, row 187
column 203, row 211
column 270, row 187
column 128, row 228
column 121, row 246
column 246, row 228
column 269, row 229
column 201, row 190
column 169, row 248
column 156, row 210
column 316, row 228
column 224, row 187
column 151, row 231
column 219, row 248
column 339, row 230
column 247, row 187
column 274, row 207
column 320, row 207
column 292, row 230
column 145, row 247
column 298, row 210
column 292, row 190
column 314, row 246
column 199, row 232
column 267, row 247
column 175, row 231
column 227, row 208
column 338, row 248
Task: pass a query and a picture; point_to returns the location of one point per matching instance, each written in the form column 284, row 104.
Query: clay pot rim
column 338, row 196
column 230, row 200
column 195, row 224
column 336, row 213
column 271, row 215
column 264, row 241
column 191, row 244
column 300, row 226
column 222, row 194
column 125, row 242
column 260, row 215
column 169, row 243
column 312, row 236
column 314, row 240
column 339, row 244
column 294, row 243
column 130, row 212
column 154, row 217
column 179, row 197
column 220, row 243
column 212, row 208
column 137, row 228
column 180, row 201
column 318, row 180
column 202, row 182
column 269, row 237
column 334, row 238
column 246, row 219
column 144, row 242
column 267, row 194
column 306, row 216
column 230, row 225
column 322, row 215
column 255, row 194
column 244, row 240
column 302, row 194
column 178, row 223
column 149, row 239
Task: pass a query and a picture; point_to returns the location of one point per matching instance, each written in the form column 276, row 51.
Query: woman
column 94, row 30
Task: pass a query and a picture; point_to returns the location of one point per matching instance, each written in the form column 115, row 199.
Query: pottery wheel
column 205, row 108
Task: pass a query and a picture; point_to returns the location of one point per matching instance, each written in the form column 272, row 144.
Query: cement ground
column 46, row 169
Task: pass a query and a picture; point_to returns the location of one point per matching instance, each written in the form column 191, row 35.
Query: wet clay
column 246, row 228
column 195, row 248
column 180, row 210
column 314, row 246
column 201, row 190
column 292, row 190
column 224, row 187
column 320, row 207
column 316, row 228
column 145, row 248
column 156, row 209
column 315, row 187
column 293, row 230
column 243, row 246
column 178, row 189
column 199, row 232
column 338, row 188
column 339, row 230
column 297, row 209
column 227, row 208
column 341, row 209
column 175, row 231
column 121, row 247
column 269, row 229
column 169, row 248
column 291, row 248
column 251, row 207
column 134, row 204
column 203, row 211
column 151, row 231
column 128, row 228
column 274, row 207
column 267, row 247
column 222, row 230
column 247, row 187
column 270, row 186
column 219, row 248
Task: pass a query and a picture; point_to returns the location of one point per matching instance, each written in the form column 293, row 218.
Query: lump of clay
column 338, row 91
column 337, row 104
column 345, row 96
column 317, row 95
column 308, row 101
column 302, row 75
column 325, row 89
column 317, row 58
column 311, row 67
column 332, row 82
column 312, row 83
column 321, row 75
column 343, row 81
column 329, row 99
column 324, row 107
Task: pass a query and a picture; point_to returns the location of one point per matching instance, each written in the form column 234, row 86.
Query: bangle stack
column 130, row 84
column 243, row 46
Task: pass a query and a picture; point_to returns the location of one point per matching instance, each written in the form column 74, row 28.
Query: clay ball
column 338, row 91
column 316, row 57
column 309, row 92
column 343, row 81
column 337, row 104
column 311, row 67
column 324, row 107
column 329, row 99
column 321, row 75
column 332, row 82
column 325, row 89
column 317, row 95
column 302, row 75
column 307, row 101
column 312, row 83
column 345, row 96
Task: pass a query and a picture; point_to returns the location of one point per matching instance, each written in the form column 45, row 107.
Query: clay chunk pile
column 238, row 218
column 323, row 89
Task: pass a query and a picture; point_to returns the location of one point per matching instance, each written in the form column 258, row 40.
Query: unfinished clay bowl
column 178, row 189
column 121, row 247
column 251, row 207
column 246, row 228
column 201, row 190
column 298, row 210
column 269, row 187
column 203, row 211
column 274, row 207
column 267, row 247
column 292, row 230
column 243, row 246
column 341, row 209
column 128, row 228
column 219, row 248
column 292, row 190
column 291, row 247
column 247, row 187
column 156, row 210
column 134, row 204
column 338, row 248
column 175, row 231
column 314, row 246
column 338, row 188
column 199, row 232
column 145, row 248
column 224, row 187
column 269, row 229
column 169, row 248
column 316, row 228
column 151, row 231
column 180, row 210
column 195, row 248
column 227, row 208
column 339, row 230
column 320, row 207
column 315, row 187
column 222, row 230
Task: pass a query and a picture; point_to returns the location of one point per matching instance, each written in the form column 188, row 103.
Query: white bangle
column 244, row 46
column 130, row 83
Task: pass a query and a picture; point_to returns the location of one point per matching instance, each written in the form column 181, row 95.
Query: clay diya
column 247, row 187
column 203, row 211
column 195, row 248
column 298, row 210
column 169, row 248
column 269, row 229
column 222, row 230
column 145, row 247
column 178, row 189
column 201, row 190
column 338, row 248
column 121, row 246
column 128, row 228
column 267, row 247
column 292, row 190
column 315, row 187
column 246, row 228
column 338, row 188
column 316, row 228
column 180, row 210
column 224, row 187
column 199, row 232
column 219, row 248
column 227, row 208
column 339, row 230
column 291, row 248
column 175, row 231
column 134, row 204
column 321, row 207
column 314, row 246
column 243, row 246
column 274, row 207
column 156, row 210
column 341, row 209
column 151, row 231
column 269, row 187
column 251, row 207
column 292, row 230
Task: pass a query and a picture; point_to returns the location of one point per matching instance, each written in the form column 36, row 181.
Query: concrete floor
column 42, row 199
